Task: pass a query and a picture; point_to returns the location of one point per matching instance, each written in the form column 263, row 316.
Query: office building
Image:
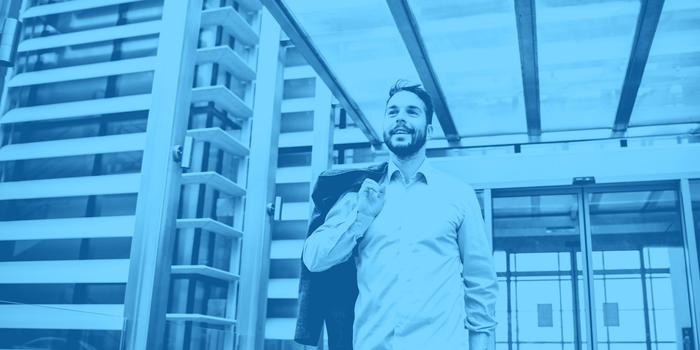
column 157, row 159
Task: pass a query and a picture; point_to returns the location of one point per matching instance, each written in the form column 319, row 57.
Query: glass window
column 293, row 58
column 67, row 207
column 93, row 18
column 282, row 308
column 297, row 121
column 285, row 268
column 293, row 157
column 197, row 247
column 84, row 89
column 60, row 339
column 639, row 270
column 135, row 47
column 74, row 166
column 190, row 335
column 294, row 192
column 84, row 293
column 113, row 124
column 299, row 88
column 198, row 295
column 66, row 249
column 537, row 248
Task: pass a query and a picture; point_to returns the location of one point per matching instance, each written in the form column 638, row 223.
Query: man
column 424, row 263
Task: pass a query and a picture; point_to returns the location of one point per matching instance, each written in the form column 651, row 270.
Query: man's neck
column 408, row 165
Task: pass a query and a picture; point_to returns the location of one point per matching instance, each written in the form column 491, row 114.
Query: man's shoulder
column 453, row 185
column 452, row 182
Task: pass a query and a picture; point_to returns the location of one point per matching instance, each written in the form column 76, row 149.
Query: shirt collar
column 425, row 171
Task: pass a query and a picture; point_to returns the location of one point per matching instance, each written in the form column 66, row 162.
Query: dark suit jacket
column 330, row 295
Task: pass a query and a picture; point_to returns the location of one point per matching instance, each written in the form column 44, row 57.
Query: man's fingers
column 370, row 184
column 372, row 188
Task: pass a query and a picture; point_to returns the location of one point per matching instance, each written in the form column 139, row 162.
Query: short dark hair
column 418, row 90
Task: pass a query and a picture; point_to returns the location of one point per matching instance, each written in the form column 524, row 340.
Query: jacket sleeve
column 478, row 274
column 333, row 241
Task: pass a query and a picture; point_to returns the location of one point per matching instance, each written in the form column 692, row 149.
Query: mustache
column 402, row 128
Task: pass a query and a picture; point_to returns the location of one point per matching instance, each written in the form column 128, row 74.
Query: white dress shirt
column 424, row 265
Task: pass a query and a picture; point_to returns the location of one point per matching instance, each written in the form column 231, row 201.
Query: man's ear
column 429, row 131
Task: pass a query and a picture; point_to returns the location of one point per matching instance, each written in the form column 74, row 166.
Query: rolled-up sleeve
column 332, row 243
column 478, row 274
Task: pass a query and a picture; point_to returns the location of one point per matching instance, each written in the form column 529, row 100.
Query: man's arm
column 332, row 242
column 479, row 275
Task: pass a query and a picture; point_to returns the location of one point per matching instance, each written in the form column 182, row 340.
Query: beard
column 418, row 139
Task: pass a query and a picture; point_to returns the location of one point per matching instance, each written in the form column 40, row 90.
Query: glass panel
column 60, row 339
column 198, row 295
column 282, row 308
column 639, row 280
column 297, row 121
column 61, row 293
column 280, row 344
column 93, row 18
column 537, row 248
column 358, row 36
column 473, row 47
column 191, row 335
column 66, row 249
column 671, row 82
column 299, row 88
column 583, row 49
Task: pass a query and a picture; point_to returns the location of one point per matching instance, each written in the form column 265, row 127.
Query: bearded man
column 425, row 272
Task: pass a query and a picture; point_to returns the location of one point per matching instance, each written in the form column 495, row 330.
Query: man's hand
column 370, row 198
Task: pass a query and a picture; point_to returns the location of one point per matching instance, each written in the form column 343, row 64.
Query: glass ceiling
column 583, row 48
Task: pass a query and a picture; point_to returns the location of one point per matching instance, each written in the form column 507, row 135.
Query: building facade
column 156, row 164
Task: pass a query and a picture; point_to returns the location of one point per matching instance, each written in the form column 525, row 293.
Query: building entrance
column 592, row 267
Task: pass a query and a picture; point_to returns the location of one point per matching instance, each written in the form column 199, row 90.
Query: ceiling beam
column 408, row 27
column 527, row 42
column 647, row 22
column 305, row 45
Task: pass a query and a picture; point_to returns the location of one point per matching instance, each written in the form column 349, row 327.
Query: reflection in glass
column 537, row 255
column 640, row 286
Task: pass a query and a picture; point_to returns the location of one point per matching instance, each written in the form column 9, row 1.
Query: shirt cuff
column 362, row 222
column 487, row 327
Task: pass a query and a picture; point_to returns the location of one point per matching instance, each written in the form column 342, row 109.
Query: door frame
column 681, row 186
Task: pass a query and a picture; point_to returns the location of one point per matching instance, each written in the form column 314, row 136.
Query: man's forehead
column 405, row 99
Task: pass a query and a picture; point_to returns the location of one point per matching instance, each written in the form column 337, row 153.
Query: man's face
column 405, row 124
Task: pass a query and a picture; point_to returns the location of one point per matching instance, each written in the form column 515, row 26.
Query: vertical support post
column 8, row 9
column 255, row 264
column 691, row 257
column 324, row 123
column 156, row 209
column 587, row 268
column 488, row 224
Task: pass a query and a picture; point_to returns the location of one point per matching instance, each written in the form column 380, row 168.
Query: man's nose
column 401, row 116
